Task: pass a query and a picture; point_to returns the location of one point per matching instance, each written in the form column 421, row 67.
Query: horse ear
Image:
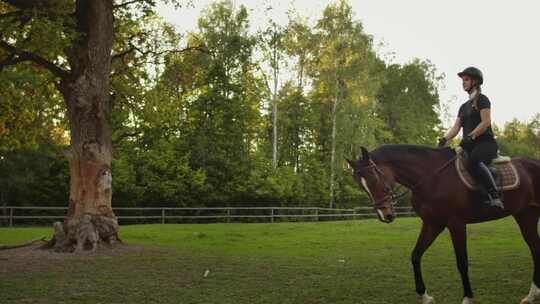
column 365, row 153
column 350, row 163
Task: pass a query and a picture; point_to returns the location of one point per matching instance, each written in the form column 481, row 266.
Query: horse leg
column 428, row 234
column 458, row 233
column 528, row 222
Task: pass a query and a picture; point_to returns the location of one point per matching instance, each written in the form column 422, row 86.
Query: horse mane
column 389, row 152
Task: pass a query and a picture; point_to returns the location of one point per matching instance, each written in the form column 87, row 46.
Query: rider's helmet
column 474, row 73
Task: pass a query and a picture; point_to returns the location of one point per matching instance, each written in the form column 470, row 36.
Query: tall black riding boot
column 487, row 180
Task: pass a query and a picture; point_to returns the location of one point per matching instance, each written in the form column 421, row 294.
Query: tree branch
column 10, row 14
column 127, row 3
column 11, row 60
column 27, row 56
column 22, row 4
column 201, row 48
column 122, row 54
column 32, row 8
column 29, row 4
column 267, row 84
column 125, row 135
column 17, row 16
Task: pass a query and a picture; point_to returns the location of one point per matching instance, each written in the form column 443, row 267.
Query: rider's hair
column 478, row 92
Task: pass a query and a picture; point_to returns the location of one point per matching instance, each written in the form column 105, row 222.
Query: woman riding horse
column 442, row 200
column 475, row 118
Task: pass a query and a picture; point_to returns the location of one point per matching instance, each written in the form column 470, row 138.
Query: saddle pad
column 502, row 159
column 507, row 177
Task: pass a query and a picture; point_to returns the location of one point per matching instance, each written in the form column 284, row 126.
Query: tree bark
column 300, row 92
column 274, row 101
column 90, row 219
column 333, row 153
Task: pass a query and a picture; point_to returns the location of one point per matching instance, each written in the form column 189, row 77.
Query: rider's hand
column 467, row 141
column 442, row 142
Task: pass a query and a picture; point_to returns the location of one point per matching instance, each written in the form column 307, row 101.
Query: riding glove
column 467, row 141
column 442, row 142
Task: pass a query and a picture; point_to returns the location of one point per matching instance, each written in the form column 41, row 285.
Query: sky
column 496, row 36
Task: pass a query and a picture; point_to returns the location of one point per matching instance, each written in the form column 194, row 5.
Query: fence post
column 228, row 215
column 11, row 217
column 163, row 216
column 317, row 214
column 271, row 215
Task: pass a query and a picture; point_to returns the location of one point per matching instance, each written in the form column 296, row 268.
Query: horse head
column 377, row 182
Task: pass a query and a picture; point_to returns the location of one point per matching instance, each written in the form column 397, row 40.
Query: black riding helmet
column 474, row 73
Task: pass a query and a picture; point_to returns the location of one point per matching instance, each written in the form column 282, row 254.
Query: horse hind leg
column 528, row 223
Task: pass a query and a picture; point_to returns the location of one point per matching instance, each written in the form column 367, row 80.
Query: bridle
column 388, row 190
column 390, row 193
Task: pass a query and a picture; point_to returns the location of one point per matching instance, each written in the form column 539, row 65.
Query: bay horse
column 442, row 201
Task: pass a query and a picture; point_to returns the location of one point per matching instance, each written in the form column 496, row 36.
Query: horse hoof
column 528, row 301
column 467, row 300
column 426, row 299
column 533, row 297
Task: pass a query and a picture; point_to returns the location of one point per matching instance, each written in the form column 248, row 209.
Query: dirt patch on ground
column 35, row 259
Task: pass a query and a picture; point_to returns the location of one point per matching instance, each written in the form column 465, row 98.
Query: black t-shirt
column 470, row 117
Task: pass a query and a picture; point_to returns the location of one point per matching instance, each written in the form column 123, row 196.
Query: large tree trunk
column 90, row 220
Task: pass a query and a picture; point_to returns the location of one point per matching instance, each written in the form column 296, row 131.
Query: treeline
column 228, row 116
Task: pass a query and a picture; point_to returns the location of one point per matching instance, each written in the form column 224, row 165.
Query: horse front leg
column 428, row 234
column 458, row 233
column 528, row 222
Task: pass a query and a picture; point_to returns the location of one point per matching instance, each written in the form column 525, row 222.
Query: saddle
column 502, row 168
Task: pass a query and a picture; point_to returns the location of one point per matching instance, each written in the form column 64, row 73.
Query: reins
column 396, row 197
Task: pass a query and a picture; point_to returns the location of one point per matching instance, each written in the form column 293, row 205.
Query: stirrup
column 494, row 201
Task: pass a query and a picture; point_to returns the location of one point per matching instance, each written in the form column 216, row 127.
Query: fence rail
column 11, row 215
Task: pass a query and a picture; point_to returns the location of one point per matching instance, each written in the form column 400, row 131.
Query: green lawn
column 330, row 262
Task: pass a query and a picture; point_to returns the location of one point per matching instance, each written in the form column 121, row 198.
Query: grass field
column 329, row 262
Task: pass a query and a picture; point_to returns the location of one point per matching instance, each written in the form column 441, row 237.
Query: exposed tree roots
column 30, row 243
column 87, row 232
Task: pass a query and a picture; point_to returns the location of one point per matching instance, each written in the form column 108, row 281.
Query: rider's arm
column 454, row 131
column 485, row 115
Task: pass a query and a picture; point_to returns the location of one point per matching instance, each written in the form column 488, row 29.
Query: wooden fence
column 10, row 216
